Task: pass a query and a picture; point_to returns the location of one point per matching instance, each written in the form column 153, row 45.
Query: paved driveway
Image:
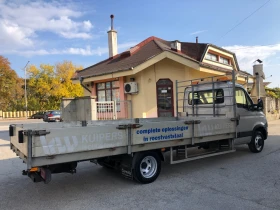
column 239, row 180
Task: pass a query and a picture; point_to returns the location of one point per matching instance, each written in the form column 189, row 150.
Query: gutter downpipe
column 81, row 83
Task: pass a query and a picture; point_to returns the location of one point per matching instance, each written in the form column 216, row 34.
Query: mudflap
column 38, row 176
column 126, row 167
column 35, row 177
column 46, row 175
column 127, row 172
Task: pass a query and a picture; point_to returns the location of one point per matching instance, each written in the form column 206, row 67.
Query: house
column 154, row 65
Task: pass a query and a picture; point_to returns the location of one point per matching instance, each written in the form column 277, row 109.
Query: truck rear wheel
column 257, row 142
column 147, row 166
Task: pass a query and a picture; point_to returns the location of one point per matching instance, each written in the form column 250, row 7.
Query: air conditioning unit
column 131, row 87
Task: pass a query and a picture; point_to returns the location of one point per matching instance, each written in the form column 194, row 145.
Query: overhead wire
column 243, row 20
column 255, row 46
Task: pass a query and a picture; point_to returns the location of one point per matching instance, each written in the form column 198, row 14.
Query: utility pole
column 258, row 85
column 25, row 92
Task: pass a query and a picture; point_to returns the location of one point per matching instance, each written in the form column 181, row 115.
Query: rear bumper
column 54, row 119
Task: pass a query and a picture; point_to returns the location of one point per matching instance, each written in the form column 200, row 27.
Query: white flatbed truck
column 212, row 117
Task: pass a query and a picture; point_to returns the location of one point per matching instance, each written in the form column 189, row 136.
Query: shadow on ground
column 239, row 179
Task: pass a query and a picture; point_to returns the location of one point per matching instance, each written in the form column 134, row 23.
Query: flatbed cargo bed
column 208, row 122
column 53, row 143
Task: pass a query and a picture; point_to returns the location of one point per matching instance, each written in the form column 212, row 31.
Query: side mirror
column 260, row 105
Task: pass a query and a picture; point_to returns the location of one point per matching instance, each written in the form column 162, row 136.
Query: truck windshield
column 206, row 97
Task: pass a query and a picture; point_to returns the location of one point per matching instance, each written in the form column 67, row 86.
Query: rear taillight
column 50, row 115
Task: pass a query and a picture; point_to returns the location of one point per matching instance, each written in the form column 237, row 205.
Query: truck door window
column 241, row 99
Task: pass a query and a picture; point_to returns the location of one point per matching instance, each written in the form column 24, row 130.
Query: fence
column 271, row 108
column 272, row 105
column 18, row 114
column 112, row 110
column 106, row 110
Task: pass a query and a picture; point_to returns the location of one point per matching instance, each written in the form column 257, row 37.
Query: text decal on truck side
column 160, row 134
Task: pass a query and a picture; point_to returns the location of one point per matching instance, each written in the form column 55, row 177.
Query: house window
column 212, row 57
column 224, row 60
column 108, row 91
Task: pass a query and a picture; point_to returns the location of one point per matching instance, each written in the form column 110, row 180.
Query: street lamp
column 25, row 92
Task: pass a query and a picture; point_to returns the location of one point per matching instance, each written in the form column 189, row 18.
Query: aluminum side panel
column 22, row 147
column 77, row 139
column 160, row 131
column 214, row 126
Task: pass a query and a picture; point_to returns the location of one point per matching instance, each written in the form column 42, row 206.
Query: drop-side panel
column 107, row 139
column 160, row 132
column 214, row 126
column 22, row 147
column 78, row 139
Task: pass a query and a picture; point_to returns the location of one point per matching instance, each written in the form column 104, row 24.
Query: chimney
column 196, row 39
column 176, row 45
column 258, row 89
column 112, row 39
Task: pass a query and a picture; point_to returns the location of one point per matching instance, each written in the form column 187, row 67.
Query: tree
column 273, row 92
column 49, row 83
column 11, row 91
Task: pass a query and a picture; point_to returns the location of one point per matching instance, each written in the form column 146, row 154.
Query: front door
column 247, row 116
column 165, row 107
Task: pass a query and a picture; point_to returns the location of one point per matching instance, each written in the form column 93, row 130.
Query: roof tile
column 140, row 53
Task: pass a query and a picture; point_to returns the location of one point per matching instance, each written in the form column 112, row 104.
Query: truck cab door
column 246, row 116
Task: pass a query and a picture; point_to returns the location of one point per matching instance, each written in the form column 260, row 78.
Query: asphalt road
column 240, row 180
column 4, row 124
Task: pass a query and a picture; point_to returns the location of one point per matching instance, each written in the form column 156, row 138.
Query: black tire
column 150, row 163
column 257, row 142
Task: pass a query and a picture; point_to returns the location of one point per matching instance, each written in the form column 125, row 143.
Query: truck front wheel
column 147, row 166
column 257, row 142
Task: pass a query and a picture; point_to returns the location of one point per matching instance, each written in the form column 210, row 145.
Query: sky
column 47, row 31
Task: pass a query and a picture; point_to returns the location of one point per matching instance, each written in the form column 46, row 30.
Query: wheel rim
column 148, row 167
column 258, row 142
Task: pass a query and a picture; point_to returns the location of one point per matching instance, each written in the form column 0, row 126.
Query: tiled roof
column 140, row 53
column 207, row 65
column 245, row 73
column 210, row 66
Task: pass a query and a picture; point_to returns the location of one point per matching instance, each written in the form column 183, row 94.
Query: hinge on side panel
column 137, row 125
column 235, row 119
column 40, row 133
column 190, row 122
column 11, row 130
column 121, row 127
